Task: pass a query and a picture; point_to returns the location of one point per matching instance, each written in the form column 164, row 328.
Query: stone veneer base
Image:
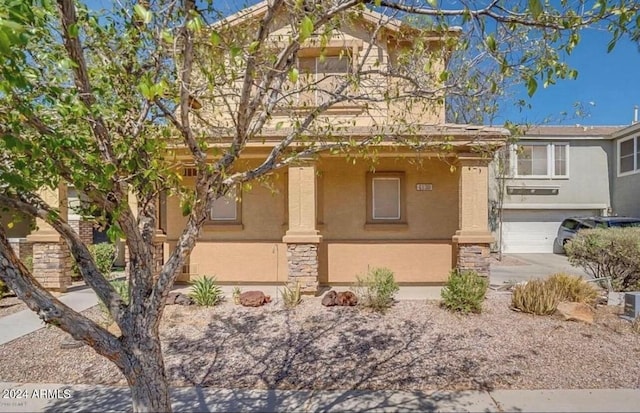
column 302, row 261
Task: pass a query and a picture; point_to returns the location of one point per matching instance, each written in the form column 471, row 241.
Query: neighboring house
column 625, row 171
column 551, row 173
column 326, row 220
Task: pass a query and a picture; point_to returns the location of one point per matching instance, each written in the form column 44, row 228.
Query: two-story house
column 551, row 173
column 625, row 170
column 416, row 201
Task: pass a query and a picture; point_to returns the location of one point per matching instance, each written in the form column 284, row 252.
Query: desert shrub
column 608, row 252
column 464, row 292
column 104, row 256
column 235, row 293
column 122, row 288
column 377, row 288
column 541, row 297
column 291, row 297
column 205, row 291
column 535, row 297
column 573, row 288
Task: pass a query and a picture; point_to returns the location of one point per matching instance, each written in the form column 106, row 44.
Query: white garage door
column 534, row 230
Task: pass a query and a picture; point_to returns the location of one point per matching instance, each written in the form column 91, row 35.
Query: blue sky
column 607, row 87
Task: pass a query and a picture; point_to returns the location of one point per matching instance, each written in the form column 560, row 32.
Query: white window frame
column 636, row 149
column 373, row 197
column 551, row 161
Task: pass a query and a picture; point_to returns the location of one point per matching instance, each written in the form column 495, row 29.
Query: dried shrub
column 535, row 297
column 608, row 252
column 541, row 297
column 377, row 288
column 573, row 288
column 465, row 291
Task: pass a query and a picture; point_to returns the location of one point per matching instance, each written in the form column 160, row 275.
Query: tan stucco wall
column 411, row 261
column 418, row 252
column 431, row 215
column 254, row 262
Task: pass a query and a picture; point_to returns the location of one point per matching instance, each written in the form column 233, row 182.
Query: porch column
column 302, row 238
column 51, row 256
column 473, row 238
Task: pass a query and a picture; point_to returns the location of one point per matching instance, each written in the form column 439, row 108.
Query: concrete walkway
column 81, row 398
column 533, row 266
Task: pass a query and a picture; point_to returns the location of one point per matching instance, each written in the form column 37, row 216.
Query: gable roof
column 258, row 10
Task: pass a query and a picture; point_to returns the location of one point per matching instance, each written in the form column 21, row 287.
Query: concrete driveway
column 522, row 267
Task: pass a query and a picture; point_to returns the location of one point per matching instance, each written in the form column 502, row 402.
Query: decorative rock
column 576, row 311
column 184, row 299
column 330, row 299
column 171, row 298
column 347, row 298
column 254, row 298
column 178, row 298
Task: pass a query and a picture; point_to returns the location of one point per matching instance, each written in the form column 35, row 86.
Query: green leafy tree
column 104, row 101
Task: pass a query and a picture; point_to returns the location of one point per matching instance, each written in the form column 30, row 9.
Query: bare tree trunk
column 145, row 373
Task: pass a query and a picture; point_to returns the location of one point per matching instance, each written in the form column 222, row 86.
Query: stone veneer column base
column 474, row 257
column 52, row 265
column 302, row 261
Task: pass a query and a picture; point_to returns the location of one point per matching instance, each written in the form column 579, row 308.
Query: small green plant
column 104, row 256
column 465, row 291
column 122, row 288
column 291, row 297
column 236, row 295
column 377, row 288
column 205, row 291
column 541, row 297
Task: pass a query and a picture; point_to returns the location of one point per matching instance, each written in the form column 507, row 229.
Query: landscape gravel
column 415, row 345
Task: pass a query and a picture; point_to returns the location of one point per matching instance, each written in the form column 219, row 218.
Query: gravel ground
column 414, row 346
column 10, row 304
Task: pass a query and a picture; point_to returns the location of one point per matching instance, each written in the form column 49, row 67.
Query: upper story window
column 629, row 155
column 542, row 160
column 320, row 76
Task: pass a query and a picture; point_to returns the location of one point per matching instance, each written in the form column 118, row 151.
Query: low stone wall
column 52, row 265
column 474, row 257
column 302, row 261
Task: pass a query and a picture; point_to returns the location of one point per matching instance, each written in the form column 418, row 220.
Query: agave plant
column 205, row 291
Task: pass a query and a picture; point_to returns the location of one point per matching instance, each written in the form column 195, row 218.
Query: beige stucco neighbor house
column 324, row 220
